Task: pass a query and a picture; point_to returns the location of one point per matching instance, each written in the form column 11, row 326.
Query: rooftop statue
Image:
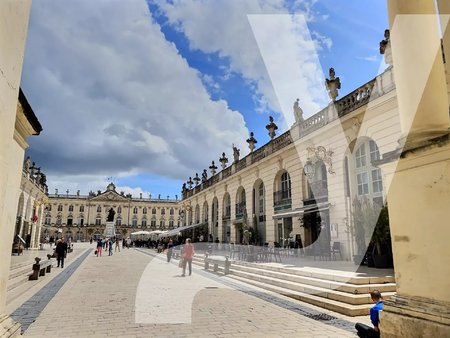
column 298, row 112
column 236, row 154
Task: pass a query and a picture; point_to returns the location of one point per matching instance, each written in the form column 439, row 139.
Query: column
column 418, row 195
column 268, row 200
column 444, row 12
column 418, row 70
column 13, row 30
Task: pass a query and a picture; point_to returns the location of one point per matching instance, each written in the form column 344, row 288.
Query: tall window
column 99, row 209
column 144, row 223
column 153, row 223
column 163, row 211
column 261, row 198
column 81, row 222
column 60, row 207
column 368, row 177
column 98, row 221
column 134, row 222
column 81, row 208
column 162, row 224
column 48, row 207
column 144, row 211
column 171, row 211
column 58, row 220
column 285, row 185
column 119, row 221
column 135, row 210
column 171, row 224
column 119, row 210
column 48, row 220
column 154, row 211
column 70, row 208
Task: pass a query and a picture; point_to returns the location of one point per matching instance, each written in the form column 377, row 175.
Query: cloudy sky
column 150, row 92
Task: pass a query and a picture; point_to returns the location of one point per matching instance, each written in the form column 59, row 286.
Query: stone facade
column 269, row 191
column 82, row 217
column 30, row 208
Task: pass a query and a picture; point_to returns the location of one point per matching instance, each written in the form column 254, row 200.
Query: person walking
column 99, row 247
column 128, row 242
column 188, row 253
column 365, row 331
column 61, row 251
column 117, row 247
column 170, row 246
column 110, row 247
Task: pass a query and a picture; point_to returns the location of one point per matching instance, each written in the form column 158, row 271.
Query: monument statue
column 204, row 176
column 111, row 214
column 333, row 84
column 236, row 152
column 298, row 112
column 27, row 164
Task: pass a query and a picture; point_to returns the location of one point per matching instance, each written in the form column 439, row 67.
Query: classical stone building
column 82, row 217
column 32, row 201
column 303, row 182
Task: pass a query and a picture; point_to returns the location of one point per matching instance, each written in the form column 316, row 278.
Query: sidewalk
column 98, row 300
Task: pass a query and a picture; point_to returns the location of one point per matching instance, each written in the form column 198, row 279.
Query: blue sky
column 151, row 92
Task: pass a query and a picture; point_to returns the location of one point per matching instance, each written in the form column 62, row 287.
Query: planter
column 381, row 261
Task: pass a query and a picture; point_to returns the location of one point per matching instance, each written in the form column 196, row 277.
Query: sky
column 150, row 92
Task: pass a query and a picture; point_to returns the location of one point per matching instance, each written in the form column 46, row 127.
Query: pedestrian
column 51, row 241
column 90, row 241
column 99, row 247
column 61, row 252
column 128, row 242
column 188, row 253
column 365, row 331
column 117, row 247
column 170, row 246
column 110, row 247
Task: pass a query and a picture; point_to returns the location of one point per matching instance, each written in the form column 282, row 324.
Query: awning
column 305, row 210
column 175, row 231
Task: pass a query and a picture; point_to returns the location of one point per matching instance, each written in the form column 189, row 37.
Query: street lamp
column 251, row 142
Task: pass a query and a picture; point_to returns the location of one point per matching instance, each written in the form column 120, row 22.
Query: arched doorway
column 226, row 218
column 282, row 201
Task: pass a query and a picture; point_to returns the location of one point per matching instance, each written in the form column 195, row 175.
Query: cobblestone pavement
column 98, row 300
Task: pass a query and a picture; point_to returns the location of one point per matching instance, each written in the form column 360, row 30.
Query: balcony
column 282, row 199
column 318, row 192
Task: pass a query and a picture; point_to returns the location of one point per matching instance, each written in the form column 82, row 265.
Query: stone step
column 344, row 297
column 18, row 271
column 318, row 282
column 17, row 281
column 321, row 274
column 324, row 303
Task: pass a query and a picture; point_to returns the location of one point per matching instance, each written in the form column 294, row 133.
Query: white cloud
column 222, row 27
column 115, row 97
column 371, row 58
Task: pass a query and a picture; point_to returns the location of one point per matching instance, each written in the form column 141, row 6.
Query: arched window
column 99, row 209
column 171, row 224
column 368, row 177
column 81, row 208
column 135, row 210
column 134, row 222
column 261, row 199
column 162, row 224
column 144, row 211
column 70, row 208
column 48, row 219
column 144, row 222
column 163, row 211
column 60, row 207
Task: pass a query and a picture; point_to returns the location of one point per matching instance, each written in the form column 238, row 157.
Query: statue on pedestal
column 27, row 164
column 298, row 112
column 333, row 84
column 111, row 214
column 236, row 152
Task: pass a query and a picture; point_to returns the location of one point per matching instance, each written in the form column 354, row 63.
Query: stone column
column 418, row 196
column 270, row 222
column 444, row 11
column 418, row 70
column 13, row 30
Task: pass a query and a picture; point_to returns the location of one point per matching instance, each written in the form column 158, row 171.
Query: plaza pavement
column 97, row 298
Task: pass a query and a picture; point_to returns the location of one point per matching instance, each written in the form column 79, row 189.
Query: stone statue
column 204, row 175
column 333, row 84
column 236, row 152
column 43, row 179
column 27, row 164
column 111, row 214
column 298, row 112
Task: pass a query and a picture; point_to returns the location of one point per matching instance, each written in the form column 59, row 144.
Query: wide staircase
column 341, row 292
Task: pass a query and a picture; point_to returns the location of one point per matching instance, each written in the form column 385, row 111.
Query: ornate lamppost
column 333, row 84
column 251, row 142
column 223, row 161
column 190, row 183
column 196, row 179
column 213, row 168
column 271, row 127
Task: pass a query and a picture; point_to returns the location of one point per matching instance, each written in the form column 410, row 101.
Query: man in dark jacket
column 61, row 251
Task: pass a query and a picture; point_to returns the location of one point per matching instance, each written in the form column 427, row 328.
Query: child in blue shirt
column 365, row 331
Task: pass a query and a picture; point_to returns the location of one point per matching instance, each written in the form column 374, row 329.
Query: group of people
column 107, row 244
column 187, row 253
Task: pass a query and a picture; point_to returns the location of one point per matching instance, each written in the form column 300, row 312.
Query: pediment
column 109, row 196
